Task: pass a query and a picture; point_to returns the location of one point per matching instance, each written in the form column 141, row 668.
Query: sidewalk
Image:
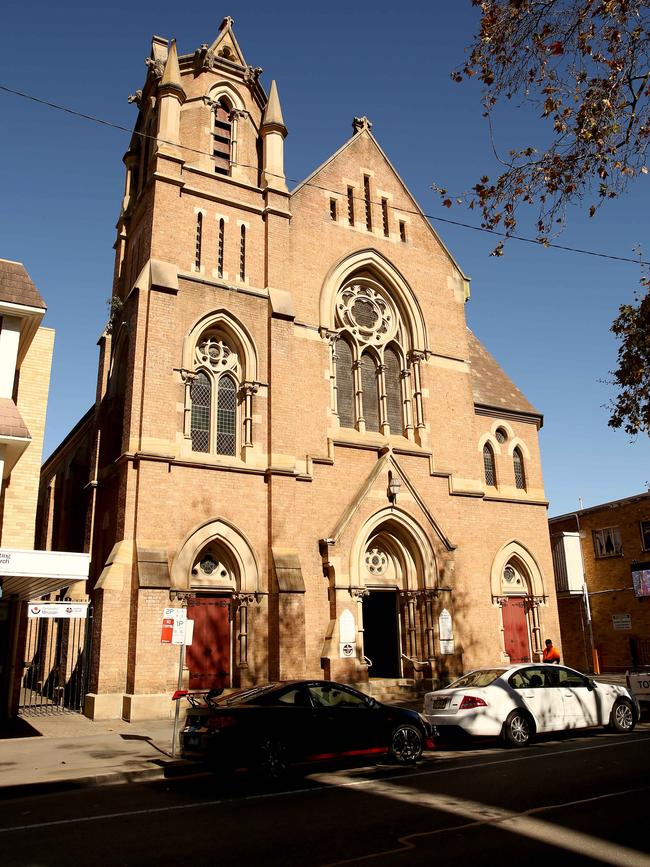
column 68, row 751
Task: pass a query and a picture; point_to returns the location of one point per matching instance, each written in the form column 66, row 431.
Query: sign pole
column 178, row 701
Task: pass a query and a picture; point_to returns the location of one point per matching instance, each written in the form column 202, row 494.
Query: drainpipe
column 585, row 601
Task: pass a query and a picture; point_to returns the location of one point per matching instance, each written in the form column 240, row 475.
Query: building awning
column 31, row 574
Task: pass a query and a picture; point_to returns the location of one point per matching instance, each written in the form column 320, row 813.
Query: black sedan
column 271, row 727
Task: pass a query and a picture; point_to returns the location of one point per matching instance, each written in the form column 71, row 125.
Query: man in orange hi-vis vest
column 551, row 654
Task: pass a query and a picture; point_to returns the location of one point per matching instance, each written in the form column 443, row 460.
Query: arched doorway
column 396, row 575
column 209, row 659
column 215, row 573
column 381, row 633
column 516, row 585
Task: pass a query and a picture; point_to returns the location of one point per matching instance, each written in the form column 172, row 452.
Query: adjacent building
column 601, row 559
column 295, row 434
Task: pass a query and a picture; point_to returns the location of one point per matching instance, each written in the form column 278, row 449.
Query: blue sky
column 545, row 314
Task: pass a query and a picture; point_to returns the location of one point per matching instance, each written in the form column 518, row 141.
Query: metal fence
column 56, row 667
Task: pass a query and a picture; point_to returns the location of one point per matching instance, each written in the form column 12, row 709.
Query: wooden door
column 515, row 629
column 208, row 657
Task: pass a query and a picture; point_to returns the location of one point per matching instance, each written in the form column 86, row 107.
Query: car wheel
column 621, row 718
column 406, row 744
column 517, row 729
column 272, row 762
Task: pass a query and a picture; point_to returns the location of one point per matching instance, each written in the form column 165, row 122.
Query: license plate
column 439, row 703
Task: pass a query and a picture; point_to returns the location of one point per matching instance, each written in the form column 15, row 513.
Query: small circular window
column 501, row 435
column 208, row 565
column 376, row 561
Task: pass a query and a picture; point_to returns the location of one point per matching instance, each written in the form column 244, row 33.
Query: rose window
column 217, row 354
column 367, row 314
column 376, row 561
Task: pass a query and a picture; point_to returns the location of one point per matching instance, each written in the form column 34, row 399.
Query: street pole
column 178, row 701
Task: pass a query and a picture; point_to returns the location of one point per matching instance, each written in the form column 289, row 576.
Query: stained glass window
column 226, row 416
column 200, row 420
column 518, row 462
column 488, row 463
column 344, row 384
column 393, row 391
column 370, row 397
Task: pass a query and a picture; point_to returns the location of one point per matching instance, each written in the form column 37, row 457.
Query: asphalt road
column 583, row 799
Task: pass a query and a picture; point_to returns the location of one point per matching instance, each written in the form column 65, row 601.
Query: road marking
column 340, row 783
column 506, row 820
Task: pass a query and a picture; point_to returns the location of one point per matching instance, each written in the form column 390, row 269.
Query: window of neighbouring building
column 645, row 535
column 607, row 542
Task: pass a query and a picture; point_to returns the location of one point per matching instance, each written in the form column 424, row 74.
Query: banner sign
column 57, row 609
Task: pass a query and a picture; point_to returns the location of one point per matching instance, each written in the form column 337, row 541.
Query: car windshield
column 483, row 677
column 245, row 695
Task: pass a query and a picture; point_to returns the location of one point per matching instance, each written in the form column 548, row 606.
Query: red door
column 208, row 657
column 515, row 629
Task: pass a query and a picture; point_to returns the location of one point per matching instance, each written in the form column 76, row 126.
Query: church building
column 295, row 436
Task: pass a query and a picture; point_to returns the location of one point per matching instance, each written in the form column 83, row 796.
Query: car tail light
column 179, row 694
column 221, row 722
column 470, row 701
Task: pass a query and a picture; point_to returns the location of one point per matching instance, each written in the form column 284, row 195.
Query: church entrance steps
column 393, row 690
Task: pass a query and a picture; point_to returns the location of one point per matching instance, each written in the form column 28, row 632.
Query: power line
column 459, row 223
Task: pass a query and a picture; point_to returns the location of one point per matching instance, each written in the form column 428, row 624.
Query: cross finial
column 361, row 123
column 227, row 22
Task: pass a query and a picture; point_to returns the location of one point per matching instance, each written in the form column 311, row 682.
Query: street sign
column 167, row 630
column 57, row 609
column 176, row 628
column 446, row 632
column 622, row 621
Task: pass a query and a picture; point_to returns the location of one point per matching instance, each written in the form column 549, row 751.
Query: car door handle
column 568, row 693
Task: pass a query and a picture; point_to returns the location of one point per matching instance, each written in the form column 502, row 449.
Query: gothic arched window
column 368, row 357
column 518, row 464
column 214, row 396
column 489, row 466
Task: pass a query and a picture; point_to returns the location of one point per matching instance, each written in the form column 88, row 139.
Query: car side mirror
column 372, row 702
column 592, row 683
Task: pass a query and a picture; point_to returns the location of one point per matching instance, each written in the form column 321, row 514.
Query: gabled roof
column 16, row 286
column 226, row 40
column 491, row 386
column 365, row 130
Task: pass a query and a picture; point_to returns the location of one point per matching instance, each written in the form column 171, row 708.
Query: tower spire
column 274, row 133
column 172, row 96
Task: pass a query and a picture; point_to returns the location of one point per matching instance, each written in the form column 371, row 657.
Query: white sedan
column 516, row 702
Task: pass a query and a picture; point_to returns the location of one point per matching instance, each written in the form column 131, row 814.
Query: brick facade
column 285, row 528
column 620, row 621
